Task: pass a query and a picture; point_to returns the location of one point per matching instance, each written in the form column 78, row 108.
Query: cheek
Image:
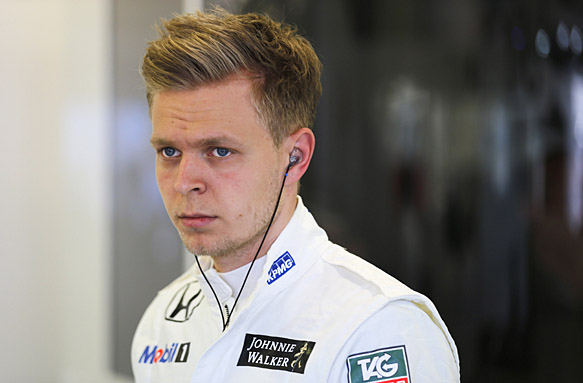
column 165, row 183
column 232, row 187
column 161, row 179
column 241, row 192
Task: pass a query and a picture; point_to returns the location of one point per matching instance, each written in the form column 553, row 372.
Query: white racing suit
column 317, row 314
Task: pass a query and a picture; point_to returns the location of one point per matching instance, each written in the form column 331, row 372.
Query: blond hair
column 203, row 48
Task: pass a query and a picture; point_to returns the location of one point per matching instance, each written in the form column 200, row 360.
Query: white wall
column 55, row 114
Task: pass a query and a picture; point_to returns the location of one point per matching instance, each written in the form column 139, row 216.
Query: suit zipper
column 227, row 312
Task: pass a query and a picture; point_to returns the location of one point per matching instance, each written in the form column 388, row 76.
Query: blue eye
column 169, row 152
column 221, row 152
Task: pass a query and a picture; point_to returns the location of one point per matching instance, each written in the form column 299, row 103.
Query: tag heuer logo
column 387, row 365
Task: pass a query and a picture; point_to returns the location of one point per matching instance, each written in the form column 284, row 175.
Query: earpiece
column 295, row 157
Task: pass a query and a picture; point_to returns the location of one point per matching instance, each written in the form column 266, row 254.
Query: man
column 232, row 99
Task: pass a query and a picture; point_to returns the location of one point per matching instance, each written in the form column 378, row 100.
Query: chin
column 196, row 247
column 200, row 246
column 192, row 244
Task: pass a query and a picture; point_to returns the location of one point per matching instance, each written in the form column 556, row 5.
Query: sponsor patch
column 386, row 365
column 275, row 353
column 175, row 353
column 281, row 266
column 183, row 303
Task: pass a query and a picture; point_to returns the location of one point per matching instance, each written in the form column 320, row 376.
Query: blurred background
column 450, row 154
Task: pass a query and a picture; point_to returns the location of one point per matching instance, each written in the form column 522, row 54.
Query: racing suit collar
column 222, row 289
column 299, row 239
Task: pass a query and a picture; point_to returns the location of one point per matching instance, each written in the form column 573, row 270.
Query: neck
column 245, row 255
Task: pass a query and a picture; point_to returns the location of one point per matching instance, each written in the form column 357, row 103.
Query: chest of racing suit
column 316, row 314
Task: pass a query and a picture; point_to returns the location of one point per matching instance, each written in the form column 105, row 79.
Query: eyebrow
column 156, row 141
column 203, row 142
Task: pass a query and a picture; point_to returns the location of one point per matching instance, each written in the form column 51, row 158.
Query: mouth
column 196, row 220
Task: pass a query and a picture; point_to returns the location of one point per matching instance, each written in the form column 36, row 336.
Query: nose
column 190, row 176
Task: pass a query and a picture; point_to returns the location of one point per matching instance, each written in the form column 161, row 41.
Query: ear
column 304, row 142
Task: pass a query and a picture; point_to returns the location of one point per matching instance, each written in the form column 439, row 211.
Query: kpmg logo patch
column 387, row 365
column 281, row 266
column 176, row 353
column 275, row 353
column 183, row 303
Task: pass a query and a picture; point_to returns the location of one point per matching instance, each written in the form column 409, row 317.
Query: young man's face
column 217, row 167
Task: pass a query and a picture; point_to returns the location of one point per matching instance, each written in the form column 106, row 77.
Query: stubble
column 246, row 244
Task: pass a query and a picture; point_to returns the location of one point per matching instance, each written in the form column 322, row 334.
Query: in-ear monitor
column 295, row 157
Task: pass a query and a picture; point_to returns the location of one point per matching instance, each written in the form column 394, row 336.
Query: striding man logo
column 183, row 303
column 297, row 362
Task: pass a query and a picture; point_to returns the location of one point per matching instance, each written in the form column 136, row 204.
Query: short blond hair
column 203, row 48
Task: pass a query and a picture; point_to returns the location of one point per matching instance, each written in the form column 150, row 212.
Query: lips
column 196, row 220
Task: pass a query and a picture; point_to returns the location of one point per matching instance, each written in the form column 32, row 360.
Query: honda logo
column 184, row 302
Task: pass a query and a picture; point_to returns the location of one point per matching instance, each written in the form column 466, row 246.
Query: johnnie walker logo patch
column 275, row 353
column 386, row 365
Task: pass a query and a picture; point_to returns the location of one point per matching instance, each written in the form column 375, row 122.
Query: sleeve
column 398, row 344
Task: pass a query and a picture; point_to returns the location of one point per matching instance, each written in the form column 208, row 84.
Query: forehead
column 232, row 95
column 226, row 108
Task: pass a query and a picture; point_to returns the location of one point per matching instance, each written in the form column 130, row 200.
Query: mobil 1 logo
column 176, row 353
column 386, row 365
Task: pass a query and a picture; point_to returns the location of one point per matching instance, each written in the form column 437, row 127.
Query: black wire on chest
column 230, row 312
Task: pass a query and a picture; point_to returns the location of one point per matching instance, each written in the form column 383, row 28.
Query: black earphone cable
column 213, row 290
column 230, row 313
